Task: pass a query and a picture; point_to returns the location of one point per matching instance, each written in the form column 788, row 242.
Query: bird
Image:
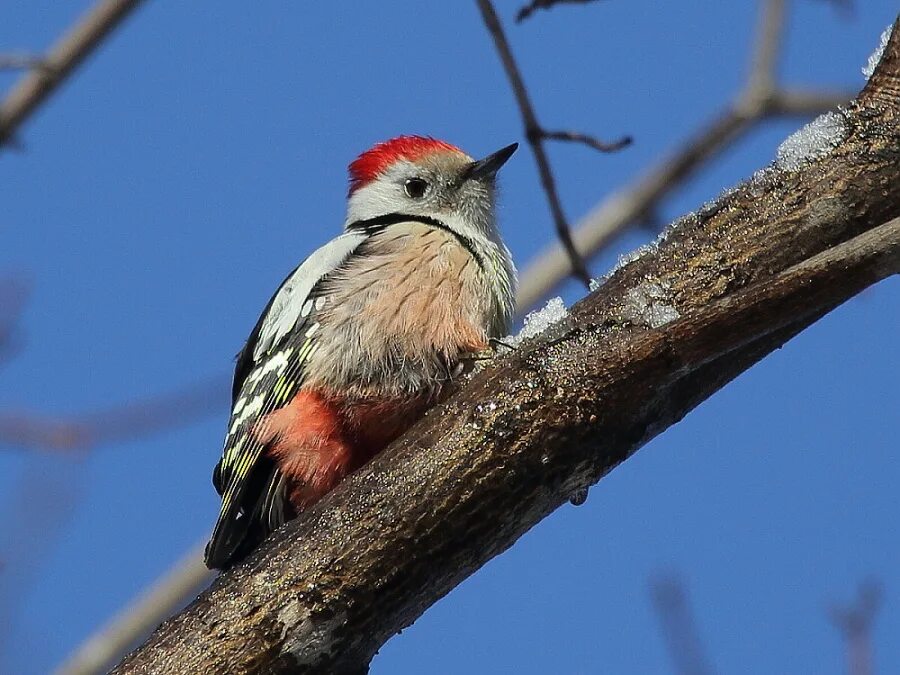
column 364, row 335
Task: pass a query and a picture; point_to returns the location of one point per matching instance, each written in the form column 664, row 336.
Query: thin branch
column 535, row 139
column 76, row 45
column 758, row 100
column 134, row 622
column 742, row 277
column 855, row 623
column 618, row 211
column 534, row 5
column 116, row 425
column 678, row 627
column 585, row 139
column 411, row 525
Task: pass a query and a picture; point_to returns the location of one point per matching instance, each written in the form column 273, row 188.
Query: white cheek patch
column 372, row 200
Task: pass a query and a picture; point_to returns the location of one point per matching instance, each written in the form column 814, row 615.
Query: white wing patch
column 243, row 409
column 291, row 300
column 247, row 411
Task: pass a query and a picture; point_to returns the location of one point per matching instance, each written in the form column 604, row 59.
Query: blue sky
column 167, row 189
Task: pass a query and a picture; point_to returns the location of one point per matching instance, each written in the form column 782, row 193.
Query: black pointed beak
column 487, row 167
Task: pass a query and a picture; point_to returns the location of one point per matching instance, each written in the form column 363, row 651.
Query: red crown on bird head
column 373, row 162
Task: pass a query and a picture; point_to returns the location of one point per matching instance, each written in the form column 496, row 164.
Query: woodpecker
column 360, row 339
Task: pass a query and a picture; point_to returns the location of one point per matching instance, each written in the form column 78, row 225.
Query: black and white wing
column 269, row 371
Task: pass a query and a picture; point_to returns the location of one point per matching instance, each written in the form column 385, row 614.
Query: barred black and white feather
column 269, row 371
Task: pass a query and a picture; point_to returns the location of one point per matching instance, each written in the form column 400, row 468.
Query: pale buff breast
column 401, row 313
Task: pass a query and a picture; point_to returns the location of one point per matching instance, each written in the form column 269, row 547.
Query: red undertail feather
column 374, row 161
column 317, row 440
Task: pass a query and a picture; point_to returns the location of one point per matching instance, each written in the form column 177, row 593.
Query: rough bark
column 727, row 286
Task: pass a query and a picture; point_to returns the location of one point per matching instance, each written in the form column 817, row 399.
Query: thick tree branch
column 725, row 286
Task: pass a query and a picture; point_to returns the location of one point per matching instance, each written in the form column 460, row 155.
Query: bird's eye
column 416, row 187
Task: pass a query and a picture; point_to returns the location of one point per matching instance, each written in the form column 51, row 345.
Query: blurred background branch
column 13, row 295
column 678, row 626
column 855, row 622
column 119, row 424
column 125, row 630
column 47, row 73
column 760, row 99
column 20, row 61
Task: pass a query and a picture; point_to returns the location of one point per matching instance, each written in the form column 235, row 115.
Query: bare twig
column 855, row 622
column 133, row 420
column 535, row 136
column 63, row 58
column 534, row 5
column 678, row 626
column 624, row 207
column 585, row 139
column 134, row 622
column 760, row 99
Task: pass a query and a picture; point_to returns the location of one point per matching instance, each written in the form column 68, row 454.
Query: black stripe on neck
column 379, row 223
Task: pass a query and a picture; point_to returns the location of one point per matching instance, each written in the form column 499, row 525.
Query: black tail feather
column 240, row 528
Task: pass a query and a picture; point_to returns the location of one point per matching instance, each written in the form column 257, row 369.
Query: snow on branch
column 875, row 56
